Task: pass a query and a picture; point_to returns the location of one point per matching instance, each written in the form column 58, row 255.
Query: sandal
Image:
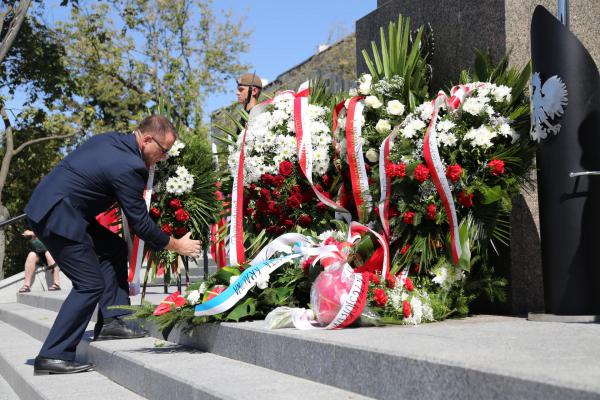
column 25, row 289
column 54, row 287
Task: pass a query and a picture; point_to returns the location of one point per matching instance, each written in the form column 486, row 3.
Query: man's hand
column 185, row 246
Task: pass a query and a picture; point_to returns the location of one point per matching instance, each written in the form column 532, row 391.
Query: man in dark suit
column 108, row 168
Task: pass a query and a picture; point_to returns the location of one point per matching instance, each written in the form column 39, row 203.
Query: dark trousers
column 98, row 270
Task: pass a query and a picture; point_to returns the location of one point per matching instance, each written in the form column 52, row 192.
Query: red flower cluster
column 496, row 167
column 409, row 217
column 406, row 308
column 465, row 199
column 421, row 173
column 395, row 170
column 409, row 285
column 453, row 172
column 390, row 281
column 380, row 297
column 431, row 211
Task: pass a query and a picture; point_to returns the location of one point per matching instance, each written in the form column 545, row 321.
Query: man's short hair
column 157, row 125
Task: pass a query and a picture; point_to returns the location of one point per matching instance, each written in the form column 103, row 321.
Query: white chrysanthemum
column 446, row 277
column 507, row 131
column 412, row 127
column 475, row 105
column 445, row 125
column 447, row 139
column 315, row 112
column 176, row 148
column 416, row 308
column 193, row 297
column 373, row 102
column 337, row 235
column 353, row 92
column 424, row 111
column 480, row 137
column 181, row 183
column 383, row 126
column 262, row 282
column 202, row 288
column 364, row 84
column 501, row 93
column 394, row 107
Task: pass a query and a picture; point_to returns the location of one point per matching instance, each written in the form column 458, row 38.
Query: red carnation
column 395, row 170
column 305, row 220
column 274, row 208
column 167, row 228
column 405, row 249
column 306, row 264
column 288, row 223
column 265, row 194
column 181, row 215
column 431, row 211
column 175, row 204
column 262, row 206
column 182, row 230
column 394, row 212
column 322, row 207
column 326, row 179
column 296, row 189
column 155, row 212
column 278, row 180
column 406, row 308
column 421, row 173
column 390, row 281
column 453, row 172
column 409, row 285
column 497, row 167
column 380, row 297
column 409, row 217
column 286, row 168
column 294, row 201
column 466, row 199
column 266, row 179
column 375, row 279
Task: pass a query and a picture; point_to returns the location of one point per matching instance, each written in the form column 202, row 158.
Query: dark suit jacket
column 105, row 169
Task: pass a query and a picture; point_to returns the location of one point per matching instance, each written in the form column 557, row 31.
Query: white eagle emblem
column 548, row 101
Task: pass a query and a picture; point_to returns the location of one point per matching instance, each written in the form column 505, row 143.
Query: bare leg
column 55, row 270
column 30, row 262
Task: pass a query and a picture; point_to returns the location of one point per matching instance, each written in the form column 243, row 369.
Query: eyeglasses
column 163, row 150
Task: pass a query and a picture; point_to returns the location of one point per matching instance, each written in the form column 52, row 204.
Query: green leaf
column 491, row 194
column 245, row 309
column 464, row 262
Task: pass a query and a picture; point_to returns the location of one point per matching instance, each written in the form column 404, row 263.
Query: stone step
column 16, row 366
column 157, row 369
column 7, row 392
column 476, row 357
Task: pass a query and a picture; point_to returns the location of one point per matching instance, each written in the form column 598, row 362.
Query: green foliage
column 402, row 57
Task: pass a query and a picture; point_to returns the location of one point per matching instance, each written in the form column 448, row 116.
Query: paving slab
column 157, row 369
column 16, row 366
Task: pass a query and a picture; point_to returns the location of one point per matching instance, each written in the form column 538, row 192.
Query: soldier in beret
column 249, row 87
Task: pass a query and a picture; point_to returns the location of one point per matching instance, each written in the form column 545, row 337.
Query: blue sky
column 284, row 33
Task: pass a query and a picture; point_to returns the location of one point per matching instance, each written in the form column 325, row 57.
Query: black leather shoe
column 45, row 366
column 117, row 329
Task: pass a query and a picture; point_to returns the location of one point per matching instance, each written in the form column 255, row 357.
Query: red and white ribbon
column 385, row 182
column 137, row 252
column 236, row 223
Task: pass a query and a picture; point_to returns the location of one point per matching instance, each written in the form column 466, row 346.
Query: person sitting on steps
column 38, row 254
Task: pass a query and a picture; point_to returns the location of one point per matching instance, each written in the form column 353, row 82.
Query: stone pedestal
column 497, row 26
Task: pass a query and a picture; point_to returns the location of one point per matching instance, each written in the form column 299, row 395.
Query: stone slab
column 16, row 358
column 157, row 369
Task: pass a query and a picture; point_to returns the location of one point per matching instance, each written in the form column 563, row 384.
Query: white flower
column 447, row 139
column 383, row 126
column 411, row 128
column 364, row 84
column 480, row 137
column 373, row 102
column 175, row 149
column 424, row 111
column 262, row 281
column 353, row 92
column 506, row 131
column 501, row 93
column 445, row 125
column 202, row 287
column 394, row 107
column 446, row 277
column 372, row 155
column 193, row 297
column 474, row 105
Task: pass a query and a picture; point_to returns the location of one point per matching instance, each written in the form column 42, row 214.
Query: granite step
column 476, row 357
column 16, row 367
column 157, row 369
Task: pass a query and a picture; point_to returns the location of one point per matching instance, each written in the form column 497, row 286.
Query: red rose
column 466, row 199
column 252, row 187
column 219, row 195
column 453, row 172
column 181, row 215
column 322, row 207
column 305, row 220
column 409, row 218
column 175, row 204
column 258, row 227
column 274, row 208
column 421, row 173
column 367, row 168
column 409, row 285
column 288, row 223
column 276, row 193
column 271, row 229
column 394, row 212
column 380, row 297
column 182, row 230
column 375, row 279
column 431, row 211
column 286, row 168
column 265, row 194
column 167, row 228
column 326, row 179
column 405, row 249
column 497, row 167
column 155, row 212
column 278, row 180
column 296, row 190
column 294, row 201
column 395, row 170
column 266, row 179
column 390, row 281
column 262, row 206
column 406, row 308
column 307, row 195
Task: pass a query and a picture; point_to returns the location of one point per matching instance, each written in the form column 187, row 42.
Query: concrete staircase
column 476, row 358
